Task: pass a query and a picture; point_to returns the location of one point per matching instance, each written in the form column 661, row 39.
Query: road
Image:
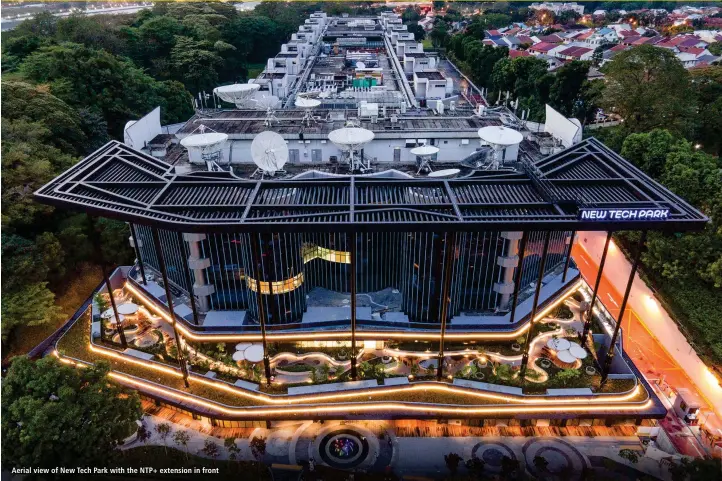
column 649, row 352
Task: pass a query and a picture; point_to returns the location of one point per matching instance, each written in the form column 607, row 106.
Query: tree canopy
column 76, row 82
column 648, row 87
column 57, row 415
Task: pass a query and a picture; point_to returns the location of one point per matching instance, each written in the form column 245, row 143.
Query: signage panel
column 632, row 214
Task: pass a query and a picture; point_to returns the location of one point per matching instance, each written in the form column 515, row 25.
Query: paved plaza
column 373, row 447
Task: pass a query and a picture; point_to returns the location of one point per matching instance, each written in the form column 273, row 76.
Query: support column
column 509, row 263
column 590, row 314
column 610, row 353
column 187, row 274
column 198, row 264
column 169, row 299
column 449, row 251
column 258, row 271
column 517, row 280
column 119, row 325
column 569, row 256
column 352, row 251
column 137, row 244
column 535, row 305
column 95, row 237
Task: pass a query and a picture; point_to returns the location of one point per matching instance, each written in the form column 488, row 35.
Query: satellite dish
column 499, row 138
column 360, row 65
column 307, row 105
column 204, row 146
column 269, row 152
column 238, row 94
column 267, row 102
column 426, row 154
column 350, row 139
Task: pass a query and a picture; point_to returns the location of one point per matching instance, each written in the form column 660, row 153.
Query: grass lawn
column 71, row 297
column 427, row 44
column 254, row 69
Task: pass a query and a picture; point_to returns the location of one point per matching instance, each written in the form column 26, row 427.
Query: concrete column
column 509, row 263
column 201, row 289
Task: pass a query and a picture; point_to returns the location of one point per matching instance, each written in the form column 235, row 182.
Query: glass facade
column 406, row 269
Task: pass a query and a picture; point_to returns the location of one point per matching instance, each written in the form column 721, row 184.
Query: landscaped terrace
column 398, row 374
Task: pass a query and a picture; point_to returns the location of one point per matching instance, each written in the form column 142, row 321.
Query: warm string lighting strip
column 335, row 335
column 367, row 407
column 299, row 399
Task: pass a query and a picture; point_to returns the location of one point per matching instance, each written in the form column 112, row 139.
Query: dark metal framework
column 600, row 272
column 617, row 327
column 534, row 307
column 118, row 182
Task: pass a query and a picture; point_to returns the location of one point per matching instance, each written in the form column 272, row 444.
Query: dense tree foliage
column 686, row 269
column 649, row 88
column 56, row 415
column 76, row 82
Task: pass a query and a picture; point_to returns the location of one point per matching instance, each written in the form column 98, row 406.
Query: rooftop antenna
column 425, row 154
column 268, row 103
column 307, row 104
column 499, row 138
column 350, row 140
column 238, row 94
column 207, row 142
column 270, row 153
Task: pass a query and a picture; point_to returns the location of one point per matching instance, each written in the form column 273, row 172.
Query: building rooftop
column 556, row 193
column 245, row 122
column 430, row 75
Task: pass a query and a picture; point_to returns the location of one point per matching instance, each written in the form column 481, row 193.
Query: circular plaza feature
column 492, row 454
column 344, row 448
column 564, row 460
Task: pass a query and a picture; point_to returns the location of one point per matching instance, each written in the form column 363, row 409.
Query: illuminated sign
column 603, row 214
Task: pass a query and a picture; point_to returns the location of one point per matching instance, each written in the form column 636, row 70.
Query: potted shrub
column 342, row 355
column 482, row 362
column 545, row 363
column 590, row 370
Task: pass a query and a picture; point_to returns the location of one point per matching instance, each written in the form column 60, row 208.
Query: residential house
column 518, row 53
column 602, row 36
column 544, row 48
column 576, row 53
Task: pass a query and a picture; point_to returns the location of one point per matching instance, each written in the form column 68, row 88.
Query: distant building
column 558, row 8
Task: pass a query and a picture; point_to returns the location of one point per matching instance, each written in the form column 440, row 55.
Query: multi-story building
column 386, row 291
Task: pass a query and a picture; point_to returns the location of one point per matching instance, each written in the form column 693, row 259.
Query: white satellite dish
column 238, row 94
column 426, row 154
column 349, row 140
column 205, row 146
column 360, row 65
column 499, row 138
column 267, row 102
column 269, row 152
column 307, row 104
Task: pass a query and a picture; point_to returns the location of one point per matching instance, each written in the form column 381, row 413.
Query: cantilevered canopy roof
column 586, row 187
